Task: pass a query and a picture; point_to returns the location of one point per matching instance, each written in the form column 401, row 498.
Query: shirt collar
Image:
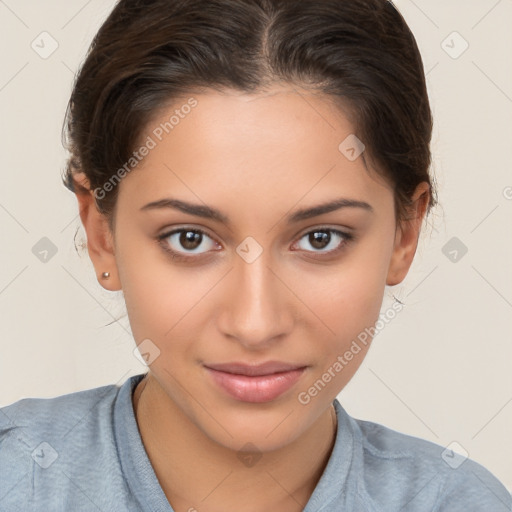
column 136, row 466
column 333, row 483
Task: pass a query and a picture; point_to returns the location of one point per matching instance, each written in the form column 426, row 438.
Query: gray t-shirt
column 83, row 452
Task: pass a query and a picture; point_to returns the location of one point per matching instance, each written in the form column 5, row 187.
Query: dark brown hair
column 150, row 52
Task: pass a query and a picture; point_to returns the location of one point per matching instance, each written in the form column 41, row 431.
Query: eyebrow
column 211, row 213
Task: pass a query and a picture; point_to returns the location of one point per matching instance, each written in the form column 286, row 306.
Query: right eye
column 184, row 243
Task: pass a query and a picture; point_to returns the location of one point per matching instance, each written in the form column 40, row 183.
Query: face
column 267, row 278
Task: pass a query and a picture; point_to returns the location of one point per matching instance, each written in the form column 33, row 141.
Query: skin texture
column 256, row 158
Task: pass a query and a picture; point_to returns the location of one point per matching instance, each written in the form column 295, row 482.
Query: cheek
column 152, row 292
column 349, row 306
column 163, row 299
column 154, row 302
column 347, row 298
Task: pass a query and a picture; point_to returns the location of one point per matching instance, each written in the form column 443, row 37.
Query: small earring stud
column 105, row 275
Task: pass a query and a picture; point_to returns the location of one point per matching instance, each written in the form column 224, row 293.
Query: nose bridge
column 256, row 310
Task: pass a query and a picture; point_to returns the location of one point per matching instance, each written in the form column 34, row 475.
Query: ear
column 407, row 235
column 100, row 242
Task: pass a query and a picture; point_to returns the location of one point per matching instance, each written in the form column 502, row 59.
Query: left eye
column 325, row 238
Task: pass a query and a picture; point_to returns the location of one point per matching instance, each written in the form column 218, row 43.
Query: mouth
column 255, row 383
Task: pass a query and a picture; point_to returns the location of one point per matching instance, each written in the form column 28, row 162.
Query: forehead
column 273, row 146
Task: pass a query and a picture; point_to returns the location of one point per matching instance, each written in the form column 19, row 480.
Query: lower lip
column 263, row 388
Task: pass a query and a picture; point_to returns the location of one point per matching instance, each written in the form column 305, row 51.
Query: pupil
column 319, row 239
column 189, row 239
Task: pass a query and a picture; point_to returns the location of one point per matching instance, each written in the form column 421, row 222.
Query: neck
column 194, row 471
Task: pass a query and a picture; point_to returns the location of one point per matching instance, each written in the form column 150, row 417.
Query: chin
column 267, row 429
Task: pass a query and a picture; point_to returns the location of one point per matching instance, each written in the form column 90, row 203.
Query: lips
column 255, row 383
column 267, row 368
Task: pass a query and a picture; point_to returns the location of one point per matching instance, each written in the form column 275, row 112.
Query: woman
column 251, row 174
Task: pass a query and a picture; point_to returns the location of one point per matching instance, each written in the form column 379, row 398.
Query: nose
column 257, row 308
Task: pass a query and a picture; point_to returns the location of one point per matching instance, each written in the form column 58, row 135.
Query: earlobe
column 100, row 244
column 407, row 236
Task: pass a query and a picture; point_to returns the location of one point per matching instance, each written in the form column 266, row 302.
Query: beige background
column 441, row 370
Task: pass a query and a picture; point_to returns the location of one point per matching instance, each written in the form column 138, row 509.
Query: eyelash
column 176, row 255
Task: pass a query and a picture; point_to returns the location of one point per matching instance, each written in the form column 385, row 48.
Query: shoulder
column 415, row 474
column 42, row 438
column 58, row 416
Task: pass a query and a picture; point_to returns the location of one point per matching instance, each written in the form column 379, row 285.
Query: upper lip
column 255, row 369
